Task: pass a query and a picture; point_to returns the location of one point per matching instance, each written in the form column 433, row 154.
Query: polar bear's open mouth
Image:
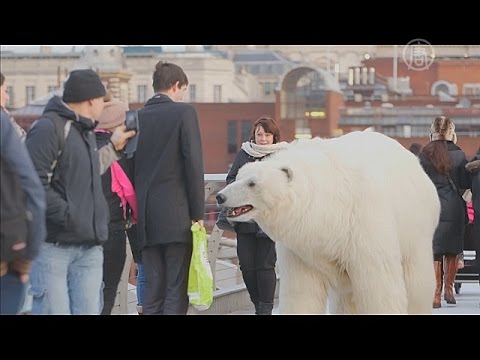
column 237, row 211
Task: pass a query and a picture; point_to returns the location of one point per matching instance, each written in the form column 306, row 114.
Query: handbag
column 223, row 223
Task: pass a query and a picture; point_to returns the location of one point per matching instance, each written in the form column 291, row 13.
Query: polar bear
column 353, row 219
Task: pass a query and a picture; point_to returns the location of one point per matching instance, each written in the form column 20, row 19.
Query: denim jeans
column 140, row 284
column 67, row 279
column 12, row 292
column 26, row 307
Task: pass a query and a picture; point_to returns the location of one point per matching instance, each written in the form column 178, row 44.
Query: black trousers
column 114, row 255
column 257, row 258
column 166, row 278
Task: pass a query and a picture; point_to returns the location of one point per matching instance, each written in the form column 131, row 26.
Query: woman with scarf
column 122, row 203
column 255, row 250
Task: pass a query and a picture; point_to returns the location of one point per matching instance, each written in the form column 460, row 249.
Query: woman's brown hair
column 437, row 153
column 269, row 125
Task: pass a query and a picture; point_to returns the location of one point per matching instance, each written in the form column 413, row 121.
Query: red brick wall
column 457, row 72
column 213, row 119
column 420, row 81
column 460, row 72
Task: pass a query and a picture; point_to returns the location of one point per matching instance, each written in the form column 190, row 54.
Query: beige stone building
column 126, row 71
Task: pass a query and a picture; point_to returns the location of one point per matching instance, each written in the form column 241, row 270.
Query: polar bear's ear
column 288, row 172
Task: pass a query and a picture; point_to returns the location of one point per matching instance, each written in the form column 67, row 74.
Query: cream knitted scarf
column 259, row 151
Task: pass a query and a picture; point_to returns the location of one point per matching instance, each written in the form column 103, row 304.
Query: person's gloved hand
column 120, row 136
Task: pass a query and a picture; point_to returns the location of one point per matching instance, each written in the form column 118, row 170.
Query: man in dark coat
column 169, row 182
column 66, row 277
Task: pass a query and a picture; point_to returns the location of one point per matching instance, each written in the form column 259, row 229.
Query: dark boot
column 450, row 273
column 265, row 308
column 256, row 307
column 437, row 303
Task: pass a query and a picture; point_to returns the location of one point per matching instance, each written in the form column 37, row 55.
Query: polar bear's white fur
column 353, row 220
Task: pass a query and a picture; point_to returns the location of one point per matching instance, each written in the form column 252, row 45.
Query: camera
column 131, row 120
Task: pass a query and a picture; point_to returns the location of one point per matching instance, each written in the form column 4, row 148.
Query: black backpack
column 62, row 129
column 15, row 218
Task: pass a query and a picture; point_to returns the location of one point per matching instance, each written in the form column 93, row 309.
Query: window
column 471, row 89
column 193, row 92
column 51, row 88
column 30, row 94
column 217, row 93
column 232, row 136
column 246, row 130
column 350, row 76
column 141, row 93
column 11, row 96
column 254, row 69
column 371, row 76
column 267, row 88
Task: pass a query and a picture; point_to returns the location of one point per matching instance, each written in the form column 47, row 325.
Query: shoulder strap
column 453, row 185
column 62, row 129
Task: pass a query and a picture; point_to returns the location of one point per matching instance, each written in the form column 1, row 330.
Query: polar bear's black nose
column 221, row 198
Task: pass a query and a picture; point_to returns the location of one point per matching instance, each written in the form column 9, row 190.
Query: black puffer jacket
column 242, row 159
column 448, row 236
column 77, row 212
column 474, row 167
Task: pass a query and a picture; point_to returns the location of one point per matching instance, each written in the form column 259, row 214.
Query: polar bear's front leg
column 377, row 282
column 341, row 299
column 303, row 289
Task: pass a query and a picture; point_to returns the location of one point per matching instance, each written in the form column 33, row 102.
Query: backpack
column 15, row 217
column 62, row 129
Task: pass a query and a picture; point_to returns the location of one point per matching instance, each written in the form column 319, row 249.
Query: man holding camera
column 170, row 190
column 66, row 278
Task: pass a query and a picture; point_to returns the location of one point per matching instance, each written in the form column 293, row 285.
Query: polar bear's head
column 258, row 189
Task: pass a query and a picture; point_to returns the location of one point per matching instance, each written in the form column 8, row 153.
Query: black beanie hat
column 83, row 85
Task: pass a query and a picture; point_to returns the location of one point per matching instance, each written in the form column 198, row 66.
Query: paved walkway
column 468, row 302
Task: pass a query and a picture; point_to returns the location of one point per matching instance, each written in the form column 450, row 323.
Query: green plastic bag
column 200, row 279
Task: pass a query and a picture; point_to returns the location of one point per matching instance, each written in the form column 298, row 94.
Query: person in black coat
column 114, row 249
column 169, row 182
column 444, row 162
column 66, row 277
column 255, row 250
column 14, row 274
column 474, row 167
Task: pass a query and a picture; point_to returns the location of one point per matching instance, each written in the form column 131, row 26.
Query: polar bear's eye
column 251, row 184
